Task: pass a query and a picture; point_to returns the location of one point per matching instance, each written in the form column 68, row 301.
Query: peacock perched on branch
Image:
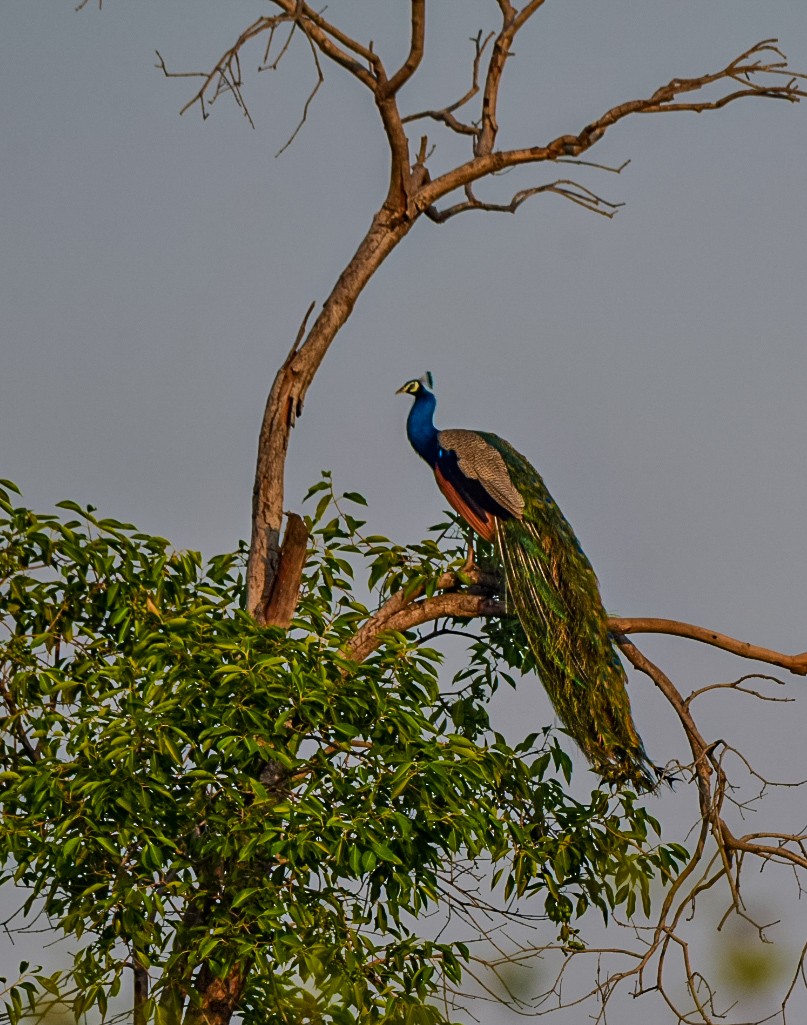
column 549, row 580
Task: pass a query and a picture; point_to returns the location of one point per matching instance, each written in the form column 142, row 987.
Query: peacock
column 549, row 580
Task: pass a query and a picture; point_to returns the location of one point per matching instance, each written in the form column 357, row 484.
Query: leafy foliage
column 183, row 790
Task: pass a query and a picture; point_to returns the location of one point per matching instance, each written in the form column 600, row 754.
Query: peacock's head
column 417, row 386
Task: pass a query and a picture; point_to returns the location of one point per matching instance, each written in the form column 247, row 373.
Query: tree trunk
column 286, row 398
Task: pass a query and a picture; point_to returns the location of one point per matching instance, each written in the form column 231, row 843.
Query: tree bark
column 141, row 993
column 218, row 998
column 285, row 590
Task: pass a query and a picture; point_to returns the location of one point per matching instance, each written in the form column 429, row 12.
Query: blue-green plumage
column 550, row 582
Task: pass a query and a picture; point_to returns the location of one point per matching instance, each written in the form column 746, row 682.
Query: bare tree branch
column 225, row 76
column 336, row 45
column 795, row 663
column 564, row 187
column 700, row 749
column 407, row 609
column 446, row 114
column 737, row 685
column 758, row 62
column 412, row 62
column 512, row 21
column 309, row 98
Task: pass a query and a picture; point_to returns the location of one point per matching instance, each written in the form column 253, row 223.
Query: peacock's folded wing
column 482, row 464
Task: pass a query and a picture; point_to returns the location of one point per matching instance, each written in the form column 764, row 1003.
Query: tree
column 198, row 787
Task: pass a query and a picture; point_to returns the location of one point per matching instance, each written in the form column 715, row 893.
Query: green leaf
column 354, row 496
column 384, row 853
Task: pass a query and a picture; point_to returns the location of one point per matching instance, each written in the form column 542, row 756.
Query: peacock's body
column 549, row 580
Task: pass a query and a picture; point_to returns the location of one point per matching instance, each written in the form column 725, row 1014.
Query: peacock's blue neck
column 420, row 427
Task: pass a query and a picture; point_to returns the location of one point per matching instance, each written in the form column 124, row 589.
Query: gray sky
column 154, row 269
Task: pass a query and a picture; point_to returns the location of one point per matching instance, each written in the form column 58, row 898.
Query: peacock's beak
column 401, row 390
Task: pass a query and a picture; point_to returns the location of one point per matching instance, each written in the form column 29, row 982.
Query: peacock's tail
column 555, row 593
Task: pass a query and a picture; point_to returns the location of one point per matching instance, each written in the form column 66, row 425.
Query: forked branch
column 445, row 115
column 564, row 187
column 761, row 71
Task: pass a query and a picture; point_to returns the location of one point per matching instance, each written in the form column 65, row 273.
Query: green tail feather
column 556, row 595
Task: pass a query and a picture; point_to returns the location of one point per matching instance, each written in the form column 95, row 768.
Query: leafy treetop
column 182, row 787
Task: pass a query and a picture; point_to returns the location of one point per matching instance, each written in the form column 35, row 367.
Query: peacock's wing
column 480, row 468
column 556, row 595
